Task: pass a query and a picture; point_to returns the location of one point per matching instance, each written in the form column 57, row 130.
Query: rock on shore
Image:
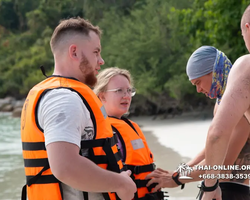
column 159, row 105
column 10, row 104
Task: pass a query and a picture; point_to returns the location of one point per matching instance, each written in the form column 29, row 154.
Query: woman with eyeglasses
column 114, row 88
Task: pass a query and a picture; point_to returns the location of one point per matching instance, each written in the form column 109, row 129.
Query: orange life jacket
column 41, row 183
column 137, row 155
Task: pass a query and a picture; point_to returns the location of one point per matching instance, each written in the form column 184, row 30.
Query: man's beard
column 88, row 72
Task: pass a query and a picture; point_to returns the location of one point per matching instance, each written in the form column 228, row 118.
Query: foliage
column 152, row 39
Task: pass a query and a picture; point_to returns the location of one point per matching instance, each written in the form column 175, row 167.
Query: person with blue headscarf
column 209, row 65
column 208, row 69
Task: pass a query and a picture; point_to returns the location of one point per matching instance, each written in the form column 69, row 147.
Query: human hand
column 162, row 177
column 128, row 189
column 214, row 195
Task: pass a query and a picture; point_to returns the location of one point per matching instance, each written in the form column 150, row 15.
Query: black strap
column 141, row 169
column 32, row 180
column 203, row 188
column 33, row 146
column 24, row 193
column 112, row 160
column 159, row 195
column 85, row 196
column 175, row 177
column 106, row 143
column 43, row 179
column 43, row 71
column 98, row 142
column 142, row 183
column 102, row 159
column 209, row 189
column 129, row 123
column 40, row 162
column 106, row 196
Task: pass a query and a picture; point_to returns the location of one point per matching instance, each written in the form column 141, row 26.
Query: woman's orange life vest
column 136, row 154
column 41, row 183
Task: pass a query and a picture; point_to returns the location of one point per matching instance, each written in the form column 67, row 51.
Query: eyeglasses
column 123, row 91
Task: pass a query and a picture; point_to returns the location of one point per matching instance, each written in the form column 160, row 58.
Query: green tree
column 148, row 45
column 217, row 23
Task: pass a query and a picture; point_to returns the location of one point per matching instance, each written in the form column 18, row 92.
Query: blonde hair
column 105, row 75
column 70, row 27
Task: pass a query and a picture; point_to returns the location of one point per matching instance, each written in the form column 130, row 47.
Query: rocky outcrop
column 156, row 105
column 10, row 104
column 163, row 106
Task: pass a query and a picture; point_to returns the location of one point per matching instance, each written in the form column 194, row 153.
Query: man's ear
column 73, row 52
column 247, row 25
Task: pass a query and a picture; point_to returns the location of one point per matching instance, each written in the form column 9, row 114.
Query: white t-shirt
column 64, row 117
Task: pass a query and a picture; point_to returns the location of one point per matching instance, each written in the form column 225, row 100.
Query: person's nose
column 101, row 61
column 198, row 89
column 126, row 94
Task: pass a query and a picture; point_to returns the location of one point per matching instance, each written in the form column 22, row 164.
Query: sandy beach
column 159, row 136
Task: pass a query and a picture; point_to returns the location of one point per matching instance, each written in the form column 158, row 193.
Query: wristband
column 203, row 188
column 209, row 189
column 175, row 177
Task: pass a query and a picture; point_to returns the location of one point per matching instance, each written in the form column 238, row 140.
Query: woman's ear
column 101, row 96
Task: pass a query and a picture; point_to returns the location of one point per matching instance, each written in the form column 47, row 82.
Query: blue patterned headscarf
column 222, row 67
column 205, row 60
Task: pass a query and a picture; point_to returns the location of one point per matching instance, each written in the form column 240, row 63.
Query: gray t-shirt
column 64, row 117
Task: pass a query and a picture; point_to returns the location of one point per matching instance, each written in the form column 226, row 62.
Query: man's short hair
column 72, row 26
column 245, row 17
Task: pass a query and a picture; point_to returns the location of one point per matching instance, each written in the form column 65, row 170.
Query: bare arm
column 80, row 173
column 237, row 141
column 198, row 158
column 234, row 104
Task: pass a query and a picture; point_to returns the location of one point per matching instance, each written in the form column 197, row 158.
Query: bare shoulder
column 242, row 59
column 242, row 64
column 236, row 99
column 239, row 76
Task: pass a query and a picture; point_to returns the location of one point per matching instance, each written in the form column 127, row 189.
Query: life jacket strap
column 106, row 143
column 159, row 195
column 141, row 169
column 39, row 162
column 33, row 146
column 38, row 179
column 98, row 142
